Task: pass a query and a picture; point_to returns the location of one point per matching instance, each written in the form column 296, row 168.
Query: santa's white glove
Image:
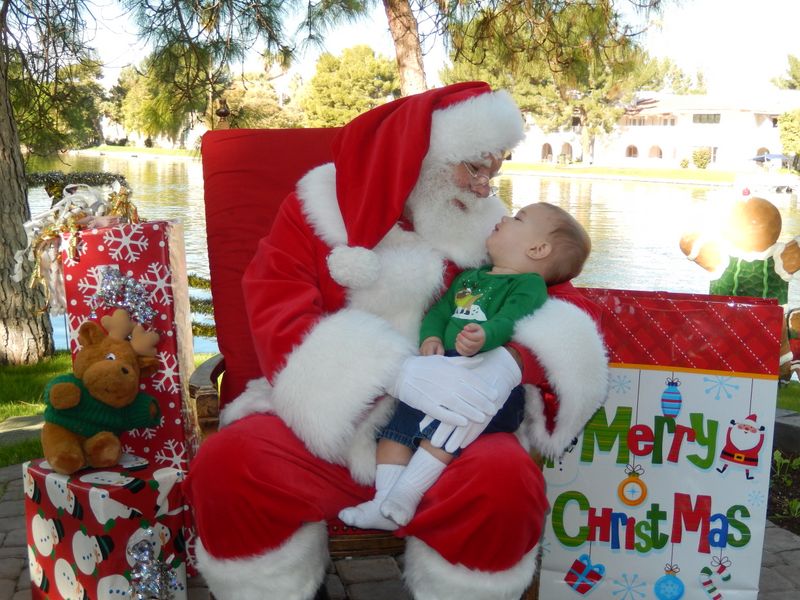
column 498, row 369
column 444, row 389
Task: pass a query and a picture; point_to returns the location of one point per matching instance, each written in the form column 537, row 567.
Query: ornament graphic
column 671, row 398
column 632, row 490
column 710, row 576
column 669, row 586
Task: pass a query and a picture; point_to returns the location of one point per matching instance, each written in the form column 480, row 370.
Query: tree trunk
column 26, row 335
column 403, row 26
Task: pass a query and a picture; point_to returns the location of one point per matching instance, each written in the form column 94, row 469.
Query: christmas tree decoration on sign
column 669, row 586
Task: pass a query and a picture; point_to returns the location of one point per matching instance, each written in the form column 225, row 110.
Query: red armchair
column 247, row 173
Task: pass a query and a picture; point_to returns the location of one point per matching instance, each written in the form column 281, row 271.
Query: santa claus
column 335, row 295
column 743, row 443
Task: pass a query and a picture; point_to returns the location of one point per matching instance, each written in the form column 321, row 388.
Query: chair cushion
column 247, row 173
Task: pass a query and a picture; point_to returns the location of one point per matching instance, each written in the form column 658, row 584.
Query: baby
column 539, row 246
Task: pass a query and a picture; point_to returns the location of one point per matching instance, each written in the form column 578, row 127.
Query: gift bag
column 664, row 494
column 141, row 267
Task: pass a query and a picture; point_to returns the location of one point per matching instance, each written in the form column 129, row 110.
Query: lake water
column 634, row 226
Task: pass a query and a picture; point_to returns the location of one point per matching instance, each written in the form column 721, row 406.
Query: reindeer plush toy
column 85, row 411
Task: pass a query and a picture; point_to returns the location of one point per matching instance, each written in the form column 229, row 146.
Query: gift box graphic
column 144, row 265
column 583, row 576
column 80, row 528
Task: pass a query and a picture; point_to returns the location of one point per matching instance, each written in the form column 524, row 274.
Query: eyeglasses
column 480, row 178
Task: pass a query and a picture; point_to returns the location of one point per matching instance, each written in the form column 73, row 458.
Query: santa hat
column 379, row 154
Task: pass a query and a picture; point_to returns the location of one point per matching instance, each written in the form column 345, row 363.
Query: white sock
column 421, row 473
column 367, row 515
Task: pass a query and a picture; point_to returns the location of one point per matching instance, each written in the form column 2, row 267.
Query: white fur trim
column 317, row 194
column 430, row 577
column 489, row 122
column 569, row 347
column 354, row 266
column 332, row 380
column 254, row 399
column 294, row 571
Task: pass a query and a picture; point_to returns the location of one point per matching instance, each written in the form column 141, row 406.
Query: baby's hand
column 470, row 340
column 430, row 346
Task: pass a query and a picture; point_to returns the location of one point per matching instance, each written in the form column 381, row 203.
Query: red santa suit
column 335, row 296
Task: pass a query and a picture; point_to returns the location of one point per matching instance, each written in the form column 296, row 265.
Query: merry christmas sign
column 664, row 494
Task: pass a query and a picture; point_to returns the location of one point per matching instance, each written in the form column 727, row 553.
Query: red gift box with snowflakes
column 149, row 255
column 82, row 529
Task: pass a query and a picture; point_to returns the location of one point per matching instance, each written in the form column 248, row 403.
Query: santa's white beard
column 744, row 440
column 459, row 232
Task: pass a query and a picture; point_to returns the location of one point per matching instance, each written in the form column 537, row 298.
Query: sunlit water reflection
column 635, row 226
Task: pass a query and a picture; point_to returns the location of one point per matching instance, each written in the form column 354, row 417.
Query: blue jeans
column 403, row 428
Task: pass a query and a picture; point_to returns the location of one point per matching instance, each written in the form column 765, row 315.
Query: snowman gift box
column 85, row 532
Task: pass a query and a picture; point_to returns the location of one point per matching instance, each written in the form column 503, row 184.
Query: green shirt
column 90, row 416
column 496, row 302
column 756, row 278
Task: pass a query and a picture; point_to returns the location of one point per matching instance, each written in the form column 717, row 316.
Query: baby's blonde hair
column 571, row 244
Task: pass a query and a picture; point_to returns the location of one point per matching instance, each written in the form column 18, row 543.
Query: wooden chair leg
column 532, row 593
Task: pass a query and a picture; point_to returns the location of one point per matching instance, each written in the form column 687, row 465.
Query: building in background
column 665, row 129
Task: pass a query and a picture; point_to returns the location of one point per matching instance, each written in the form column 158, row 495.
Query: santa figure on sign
column 335, row 296
column 742, row 445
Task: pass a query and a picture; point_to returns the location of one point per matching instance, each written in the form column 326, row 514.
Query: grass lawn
column 789, row 396
column 689, row 175
column 22, row 387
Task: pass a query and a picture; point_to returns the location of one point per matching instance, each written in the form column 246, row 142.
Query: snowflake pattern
column 719, row 386
column 173, row 454
column 126, row 243
column 167, row 378
column 89, row 286
column 158, row 281
column 620, row 384
column 629, row 589
column 545, row 546
column 756, row 498
column 147, row 433
column 69, row 259
column 74, row 323
column 190, row 538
